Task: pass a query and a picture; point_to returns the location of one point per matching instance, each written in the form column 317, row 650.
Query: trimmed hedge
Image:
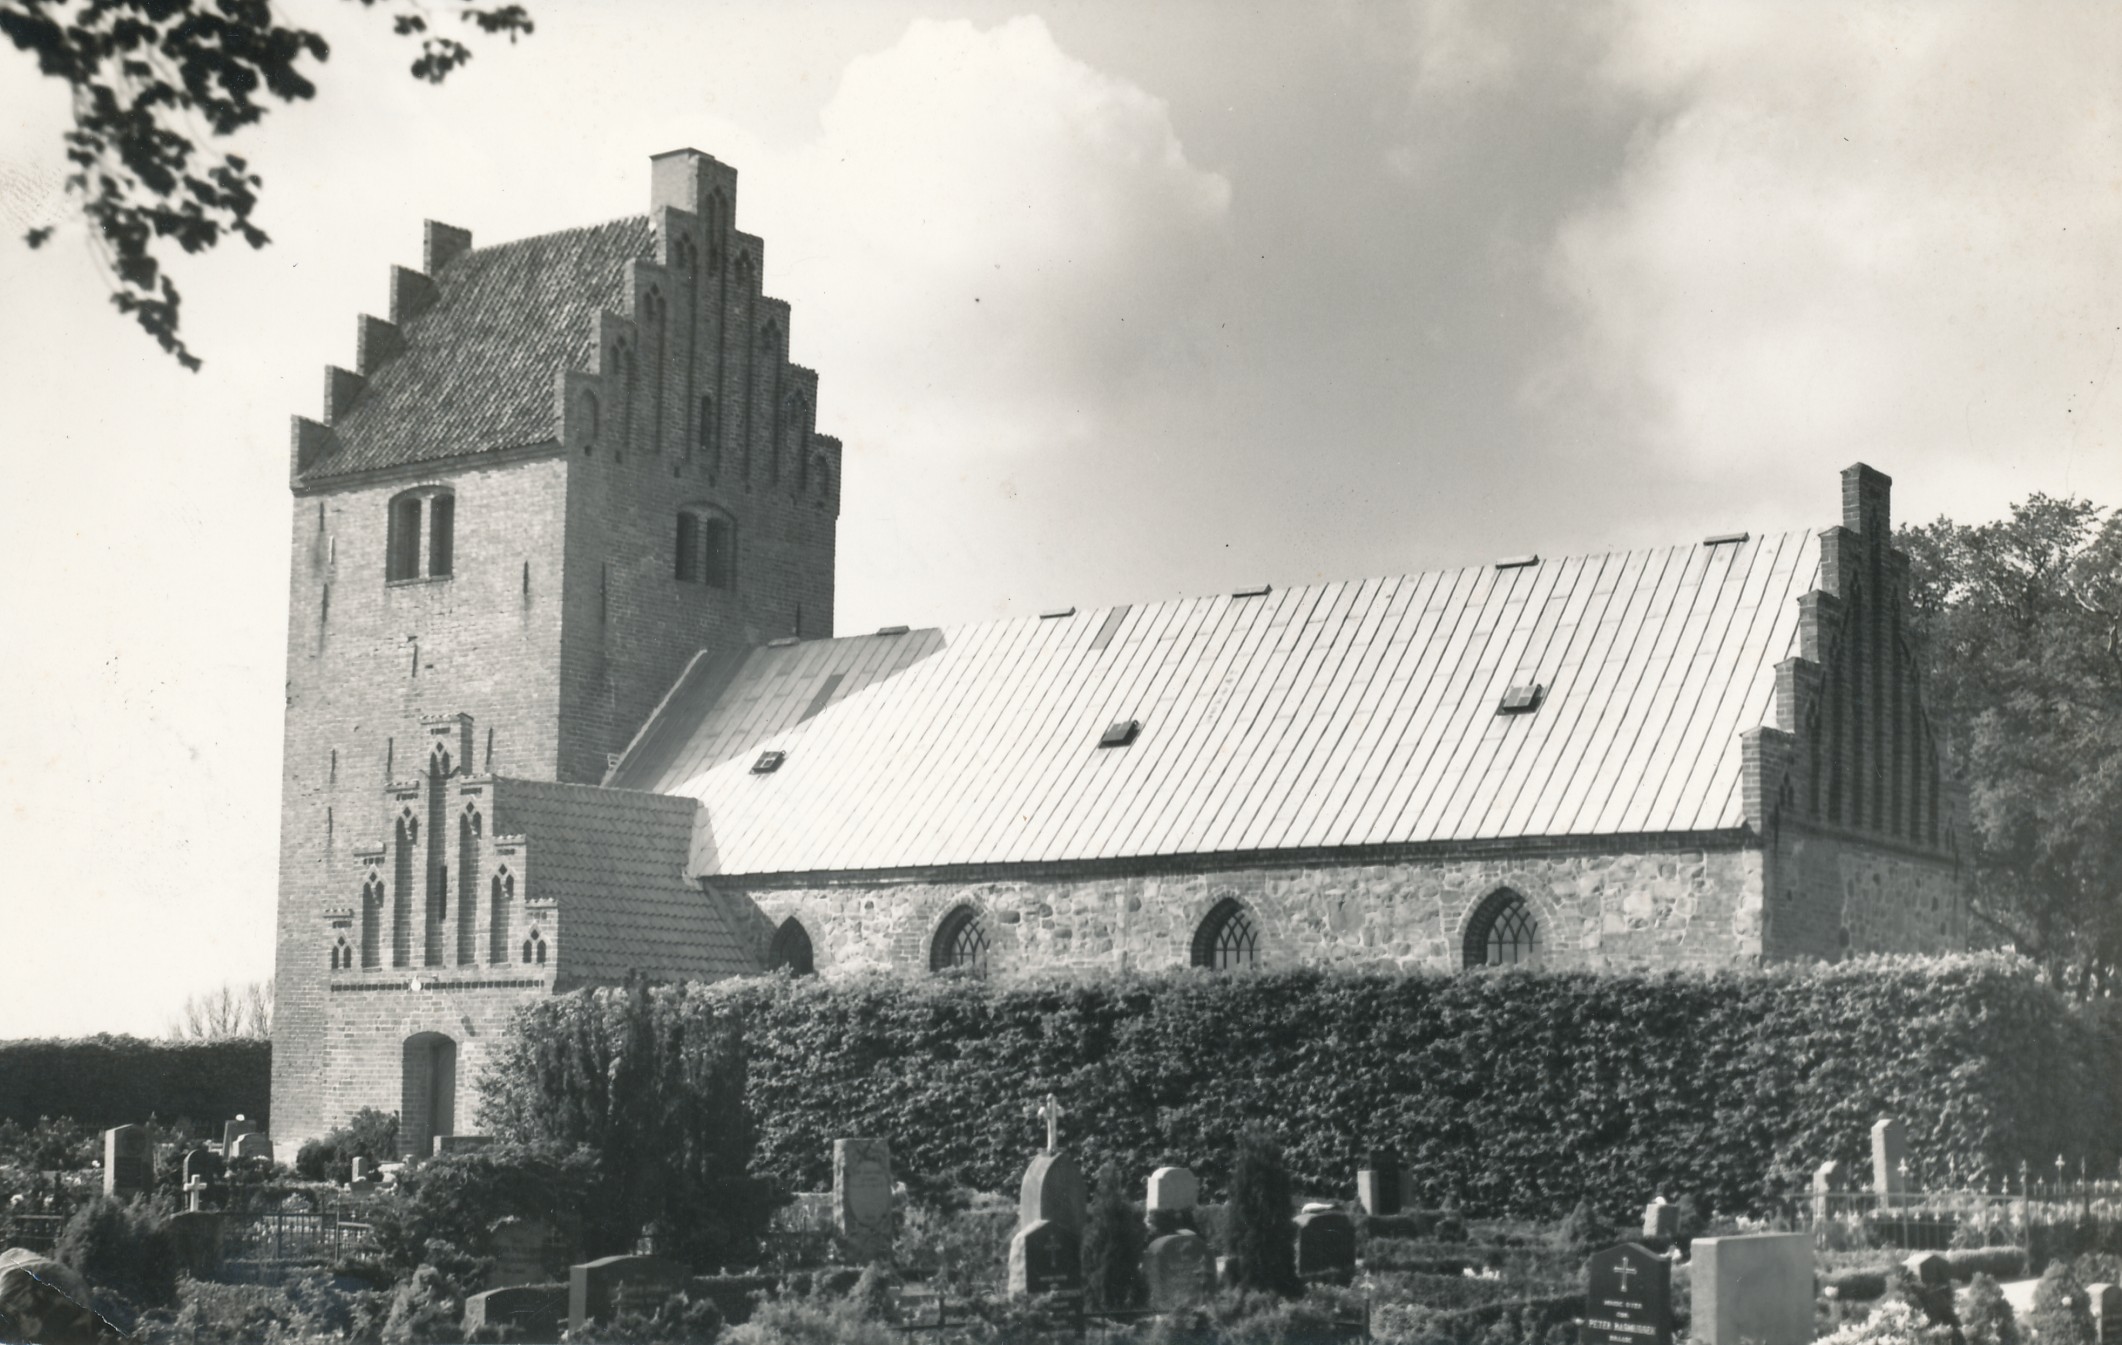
column 106, row 1081
column 1513, row 1093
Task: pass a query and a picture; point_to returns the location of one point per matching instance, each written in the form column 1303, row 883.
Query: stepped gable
column 467, row 365
column 1328, row 717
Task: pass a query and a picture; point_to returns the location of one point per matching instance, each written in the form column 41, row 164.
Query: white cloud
column 1889, row 233
column 985, row 232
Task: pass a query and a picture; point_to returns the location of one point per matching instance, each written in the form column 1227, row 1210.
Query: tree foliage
column 1260, row 1234
column 153, row 79
column 2019, row 625
column 1112, row 1244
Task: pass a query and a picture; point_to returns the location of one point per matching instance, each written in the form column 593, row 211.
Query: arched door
column 428, row 1102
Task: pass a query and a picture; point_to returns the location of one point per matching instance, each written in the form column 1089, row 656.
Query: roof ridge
column 573, row 231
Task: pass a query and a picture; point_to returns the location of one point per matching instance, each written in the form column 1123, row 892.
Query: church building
column 565, row 702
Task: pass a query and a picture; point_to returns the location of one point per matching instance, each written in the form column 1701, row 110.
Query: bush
column 959, row 1240
column 1584, row 1228
column 1758, row 1076
column 301, row 1308
column 653, row 1082
column 455, row 1200
column 108, row 1081
column 370, row 1135
column 2062, row 1312
column 1112, row 1245
column 122, row 1248
column 1259, row 1229
column 1985, row 1316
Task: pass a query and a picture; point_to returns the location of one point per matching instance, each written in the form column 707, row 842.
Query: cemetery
column 1157, row 1160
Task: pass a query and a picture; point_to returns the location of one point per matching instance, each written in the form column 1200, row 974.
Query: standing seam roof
column 1343, row 714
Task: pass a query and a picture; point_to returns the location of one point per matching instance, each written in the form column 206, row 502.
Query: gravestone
column 460, row 1144
column 1174, row 1189
column 1628, row 1297
column 1929, row 1269
column 128, row 1161
column 202, row 1167
column 596, row 1288
column 231, row 1131
column 2107, row 1312
column 1179, row 1270
column 1889, row 1152
column 361, row 1172
column 1045, row 1257
column 1379, row 1186
column 254, row 1144
column 1661, row 1221
column 530, row 1311
column 1757, row 1287
column 196, row 1238
column 1827, row 1181
column 1052, row 1190
column 519, row 1253
column 1326, row 1246
column 862, row 1197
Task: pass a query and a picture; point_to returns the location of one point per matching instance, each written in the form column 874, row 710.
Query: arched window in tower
column 705, row 551
column 1502, row 932
column 586, row 420
column 1226, row 938
column 342, row 954
column 795, row 440
column 534, row 949
column 372, row 922
column 422, row 528
column 469, row 828
column 791, row 948
column 960, row 943
column 501, row 901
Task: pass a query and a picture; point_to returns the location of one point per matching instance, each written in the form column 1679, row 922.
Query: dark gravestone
column 529, row 1311
column 1628, row 1298
column 521, row 1254
column 197, row 1238
column 1378, row 1186
column 1179, row 1271
column 128, row 1161
column 596, row 1289
column 1326, row 1246
column 1045, row 1258
column 231, row 1131
column 1052, row 1191
column 254, row 1144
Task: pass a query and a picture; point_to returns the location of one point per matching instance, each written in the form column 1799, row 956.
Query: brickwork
column 1697, row 904
column 562, row 620
column 1838, row 895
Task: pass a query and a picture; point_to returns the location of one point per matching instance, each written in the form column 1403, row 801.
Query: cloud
column 1014, row 242
column 1889, row 233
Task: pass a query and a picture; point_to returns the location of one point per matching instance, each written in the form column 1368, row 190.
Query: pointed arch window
column 1226, row 938
column 960, row 943
column 372, row 922
column 534, row 948
column 706, row 547
column 791, row 948
column 501, row 900
column 422, row 540
column 1503, row 932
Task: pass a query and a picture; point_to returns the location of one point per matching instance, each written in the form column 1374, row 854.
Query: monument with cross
column 1052, row 1111
column 1628, row 1294
column 1043, row 1253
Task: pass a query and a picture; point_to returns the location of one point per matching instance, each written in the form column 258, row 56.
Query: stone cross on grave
column 1623, row 1275
column 1053, row 1113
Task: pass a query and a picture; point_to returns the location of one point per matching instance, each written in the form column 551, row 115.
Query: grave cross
column 1053, row 1113
column 1622, row 1275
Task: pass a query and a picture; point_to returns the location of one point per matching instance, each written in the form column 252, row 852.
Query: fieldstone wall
column 1679, row 907
column 1841, row 896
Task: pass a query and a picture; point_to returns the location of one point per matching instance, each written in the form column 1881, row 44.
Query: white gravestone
column 862, row 1197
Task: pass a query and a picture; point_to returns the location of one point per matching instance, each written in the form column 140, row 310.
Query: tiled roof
column 614, row 863
column 480, row 364
column 1338, row 715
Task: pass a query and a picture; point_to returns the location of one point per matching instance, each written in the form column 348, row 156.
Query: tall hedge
column 106, row 1081
column 1516, row 1092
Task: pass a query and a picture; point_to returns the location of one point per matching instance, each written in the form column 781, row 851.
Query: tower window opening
column 429, row 512
column 705, row 550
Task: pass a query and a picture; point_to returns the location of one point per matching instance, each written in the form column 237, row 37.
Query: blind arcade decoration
column 1628, row 1296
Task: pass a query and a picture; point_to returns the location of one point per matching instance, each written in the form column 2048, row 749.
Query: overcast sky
column 1109, row 302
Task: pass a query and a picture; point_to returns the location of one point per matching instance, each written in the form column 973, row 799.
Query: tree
column 1261, row 1237
column 150, row 79
column 1112, row 1244
column 225, row 1013
column 2019, row 626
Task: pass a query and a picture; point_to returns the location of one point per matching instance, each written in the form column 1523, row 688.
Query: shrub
column 1584, row 1228
column 1259, row 1230
column 653, row 1082
column 1112, row 1245
column 123, row 1248
column 1758, row 1075
column 457, row 1199
column 2062, row 1312
column 370, row 1135
column 1985, row 1316
column 960, row 1243
column 108, row 1081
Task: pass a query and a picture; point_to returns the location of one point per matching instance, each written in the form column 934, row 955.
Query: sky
column 1109, row 302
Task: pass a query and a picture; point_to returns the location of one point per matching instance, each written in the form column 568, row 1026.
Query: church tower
column 563, row 467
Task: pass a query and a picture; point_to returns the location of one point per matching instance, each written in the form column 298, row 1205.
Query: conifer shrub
column 1260, row 1234
column 1112, row 1244
column 122, row 1248
column 2062, row 1313
column 1985, row 1315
